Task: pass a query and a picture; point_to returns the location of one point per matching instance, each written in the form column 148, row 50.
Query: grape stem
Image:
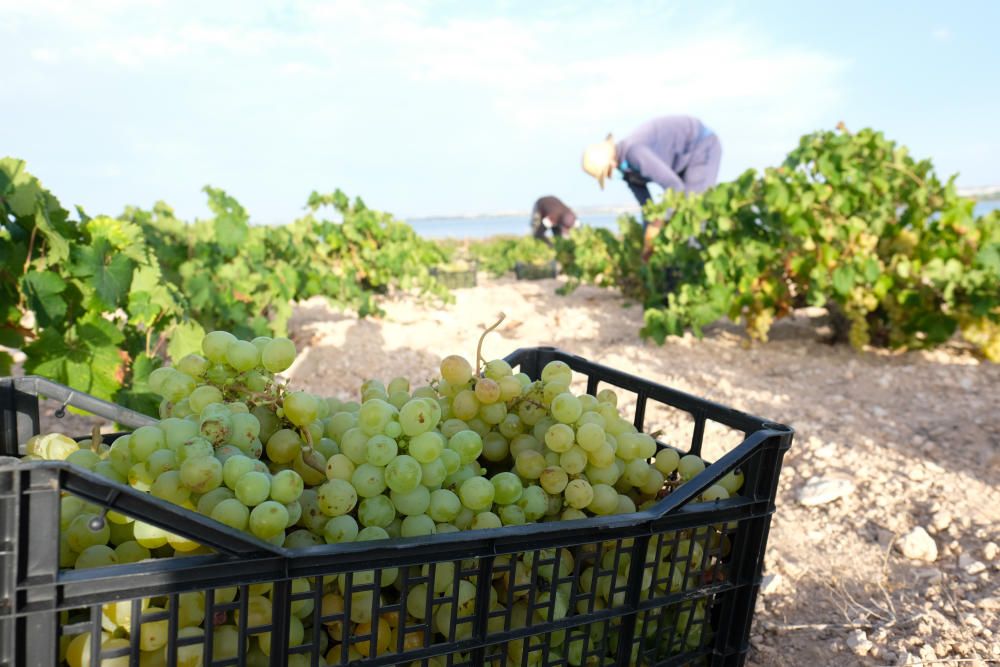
column 479, row 347
column 95, row 438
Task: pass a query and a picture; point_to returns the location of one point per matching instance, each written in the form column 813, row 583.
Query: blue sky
column 458, row 107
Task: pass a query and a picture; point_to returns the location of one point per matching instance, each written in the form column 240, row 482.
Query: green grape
column 416, row 417
column 559, row 438
column 427, row 446
column 235, row 467
column 178, row 387
column 511, row 426
column 381, row 449
column 374, row 415
column 464, row 518
column 417, row 525
column 255, row 381
column 336, row 497
column 149, row 536
column 253, row 488
column 294, row 513
column 604, row 500
column 220, row 374
column 507, row 488
column 524, row 442
column 493, row 413
column 120, row 455
column 557, row 370
column 590, row 436
column 98, row 555
column 485, row 520
column 625, row 505
column 260, row 342
column 268, row 519
column 161, row 461
column 530, row 464
column 603, row 456
column 487, row 391
column 433, row 473
column 286, row 487
column 732, row 481
column 284, row 446
column 202, row 396
column 140, row 478
column 444, row 506
column 201, row 474
column 300, row 539
column 455, row 370
column 338, row 424
column 355, row 445
column 216, row 428
column 495, row 448
column 566, row 408
column 84, row 458
column 479, row 427
column 553, row 480
column 689, row 466
column 452, row 461
column 530, row 413
column 215, row 344
column 231, row 512
column 267, row 421
column 452, row 426
column 465, row 472
column 370, row 534
column 107, row 470
column 552, row 389
column 313, row 518
column 301, row 408
column 158, row 378
column 144, row 441
column 601, row 475
column 398, row 384
column 194, row 365
column 497, row 369
column 339, row 466
column 195, row 448
column 339, row 529
column 131, row 552
column 403, row 474
column 589, row 416
column 579, row 494
column 476, row 493
column 242, row 355
column 534, row 502
column 69, row 508
column 714, row 492
column 510, row 388
column 574, row 460
column 512, row 515
column 277, row 355
column 412, row 502
column 327, row 448
column 368, row 480
column 245, row 429
column 376, row 511
column 394, row 528
column 168, row 486
column 208, row 501
column 444, row 528
column 468, row 445
column 654, row 482
column 465, row 405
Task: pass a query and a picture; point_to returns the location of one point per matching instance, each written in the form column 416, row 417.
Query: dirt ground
column 902, row 569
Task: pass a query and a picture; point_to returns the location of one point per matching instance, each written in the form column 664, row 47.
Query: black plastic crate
column 456, row 278
column 672, row 585
column 536, row 270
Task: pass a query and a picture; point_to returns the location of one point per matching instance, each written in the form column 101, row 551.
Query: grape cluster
column 476, row 448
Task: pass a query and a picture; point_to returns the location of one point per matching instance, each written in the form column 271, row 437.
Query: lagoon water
column 517, row 225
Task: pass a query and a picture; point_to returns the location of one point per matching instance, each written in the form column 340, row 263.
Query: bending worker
column 675, row 152
column 551, row 213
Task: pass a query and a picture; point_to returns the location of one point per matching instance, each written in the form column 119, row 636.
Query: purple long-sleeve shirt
column 662, row 148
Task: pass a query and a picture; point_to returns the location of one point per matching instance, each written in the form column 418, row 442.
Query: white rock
column 822, row 490
column 918, row 545
column 859, row 643
column 770, row 584
column 991, row 551
column 970, row 564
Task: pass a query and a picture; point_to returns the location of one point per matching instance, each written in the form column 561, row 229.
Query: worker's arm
column 649, row 164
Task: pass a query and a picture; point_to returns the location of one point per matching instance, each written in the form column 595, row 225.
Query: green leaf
column 185, row 338
column 843, row 280
column 43, row 289
column 110, row 272
column 6, row 363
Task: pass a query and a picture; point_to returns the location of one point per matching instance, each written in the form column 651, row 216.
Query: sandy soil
column 916, row 435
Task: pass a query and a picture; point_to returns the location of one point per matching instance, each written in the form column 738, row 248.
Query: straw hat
column 599, row 160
